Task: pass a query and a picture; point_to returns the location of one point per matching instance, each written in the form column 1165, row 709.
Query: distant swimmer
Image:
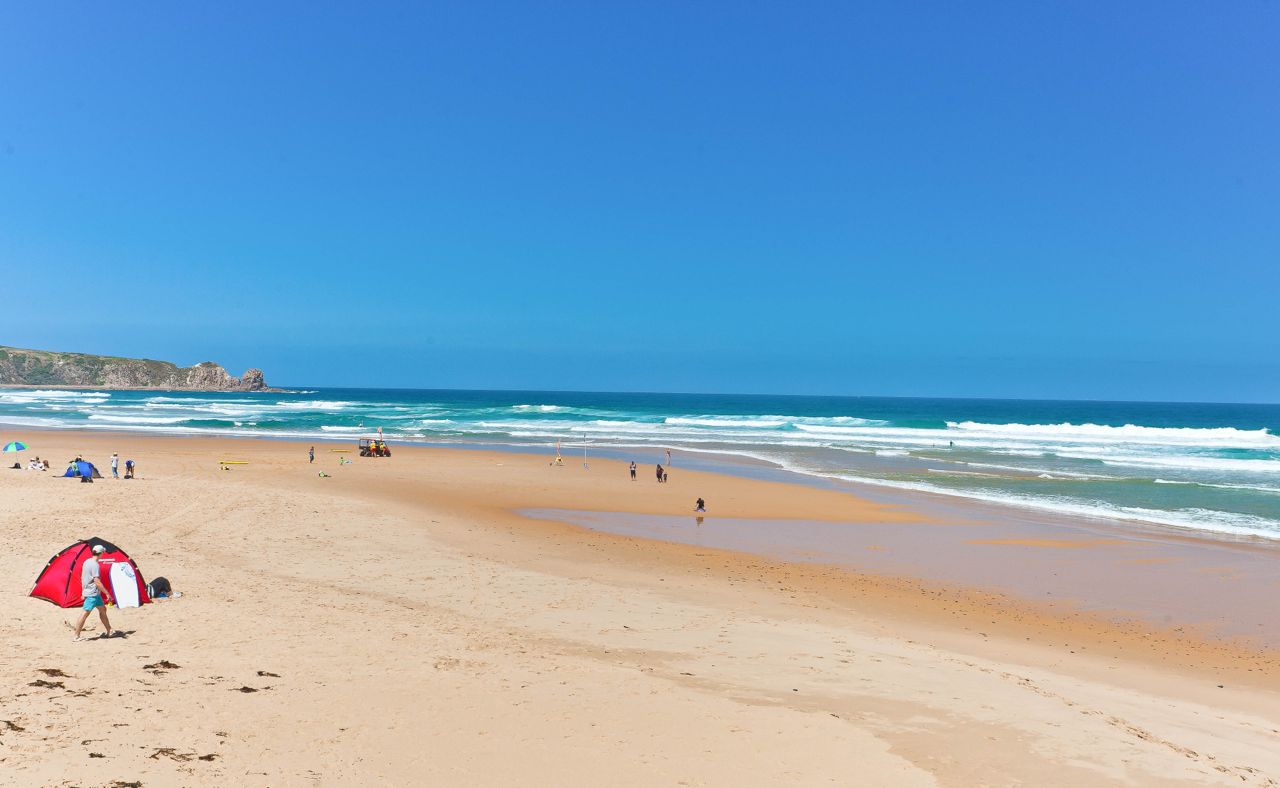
column 700, row 506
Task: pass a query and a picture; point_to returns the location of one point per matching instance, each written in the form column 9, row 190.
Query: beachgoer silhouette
column 633, row 471
column 700, row 506
column 661, row 474
column 311, row 455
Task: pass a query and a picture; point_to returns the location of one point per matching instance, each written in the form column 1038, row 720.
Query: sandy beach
column 399, row 622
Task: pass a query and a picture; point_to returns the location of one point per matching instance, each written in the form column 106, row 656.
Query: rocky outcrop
column 20, row 367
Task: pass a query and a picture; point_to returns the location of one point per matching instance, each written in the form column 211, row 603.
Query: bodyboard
column 124, row 585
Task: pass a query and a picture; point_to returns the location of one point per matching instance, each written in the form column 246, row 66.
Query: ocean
column 1207, row 467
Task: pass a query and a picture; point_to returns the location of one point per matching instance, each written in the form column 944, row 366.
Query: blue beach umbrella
column 15, row 446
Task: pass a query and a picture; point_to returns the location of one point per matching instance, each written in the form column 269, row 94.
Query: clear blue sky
column 1000, row 199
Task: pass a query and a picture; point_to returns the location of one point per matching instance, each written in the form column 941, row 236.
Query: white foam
column 731, row 423
column 1019, row 469
column 1251, row 487
column 117, row 419
column 40, row 396
column 54, row 394
column 34, row 421
column 1183, row 461
column 1225, row 437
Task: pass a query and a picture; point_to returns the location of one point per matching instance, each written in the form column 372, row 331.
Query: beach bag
column 159, row 587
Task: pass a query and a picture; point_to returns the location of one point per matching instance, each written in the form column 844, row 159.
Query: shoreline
column 327, row 625
column 737, row 463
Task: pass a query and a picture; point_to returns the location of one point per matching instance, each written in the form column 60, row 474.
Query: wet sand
column 399, row 622
column 1225, row 590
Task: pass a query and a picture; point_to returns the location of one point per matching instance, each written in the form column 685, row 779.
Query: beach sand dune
column 396, row 624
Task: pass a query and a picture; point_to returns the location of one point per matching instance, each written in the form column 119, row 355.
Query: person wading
column 95, row 593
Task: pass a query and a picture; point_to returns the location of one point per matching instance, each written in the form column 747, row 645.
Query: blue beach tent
column 80, row 468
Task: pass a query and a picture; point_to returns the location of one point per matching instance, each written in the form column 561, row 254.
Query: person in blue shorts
column 95, row 593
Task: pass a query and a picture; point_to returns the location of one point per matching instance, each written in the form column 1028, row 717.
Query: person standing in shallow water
column 311, row 455
column 94, row 592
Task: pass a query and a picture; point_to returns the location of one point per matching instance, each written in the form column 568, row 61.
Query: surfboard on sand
column 124, row 585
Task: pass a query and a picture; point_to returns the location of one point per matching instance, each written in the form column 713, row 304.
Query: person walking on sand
column 311, row 455
column 661, row 474
column 633, row 470
column 95, row 593
column 115, row 465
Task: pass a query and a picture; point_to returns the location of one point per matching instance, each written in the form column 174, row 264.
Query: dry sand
column 397, row 624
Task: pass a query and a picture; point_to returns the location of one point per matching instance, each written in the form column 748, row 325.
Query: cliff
column 20, row 367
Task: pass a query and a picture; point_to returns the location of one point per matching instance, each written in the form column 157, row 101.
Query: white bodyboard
column 124, row 585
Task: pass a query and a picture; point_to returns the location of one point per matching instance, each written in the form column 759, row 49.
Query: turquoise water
column 1202, row 466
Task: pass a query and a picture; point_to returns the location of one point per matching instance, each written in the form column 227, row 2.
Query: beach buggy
column 374, row 447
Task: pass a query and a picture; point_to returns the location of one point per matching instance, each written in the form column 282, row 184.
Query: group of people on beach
column 37, row 464
column 115, row 467
column 661, row 473
column 130, row 467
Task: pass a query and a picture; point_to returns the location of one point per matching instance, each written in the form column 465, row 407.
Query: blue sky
column 972, row 199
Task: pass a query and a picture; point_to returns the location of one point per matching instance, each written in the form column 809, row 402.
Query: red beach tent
column 60, row 581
